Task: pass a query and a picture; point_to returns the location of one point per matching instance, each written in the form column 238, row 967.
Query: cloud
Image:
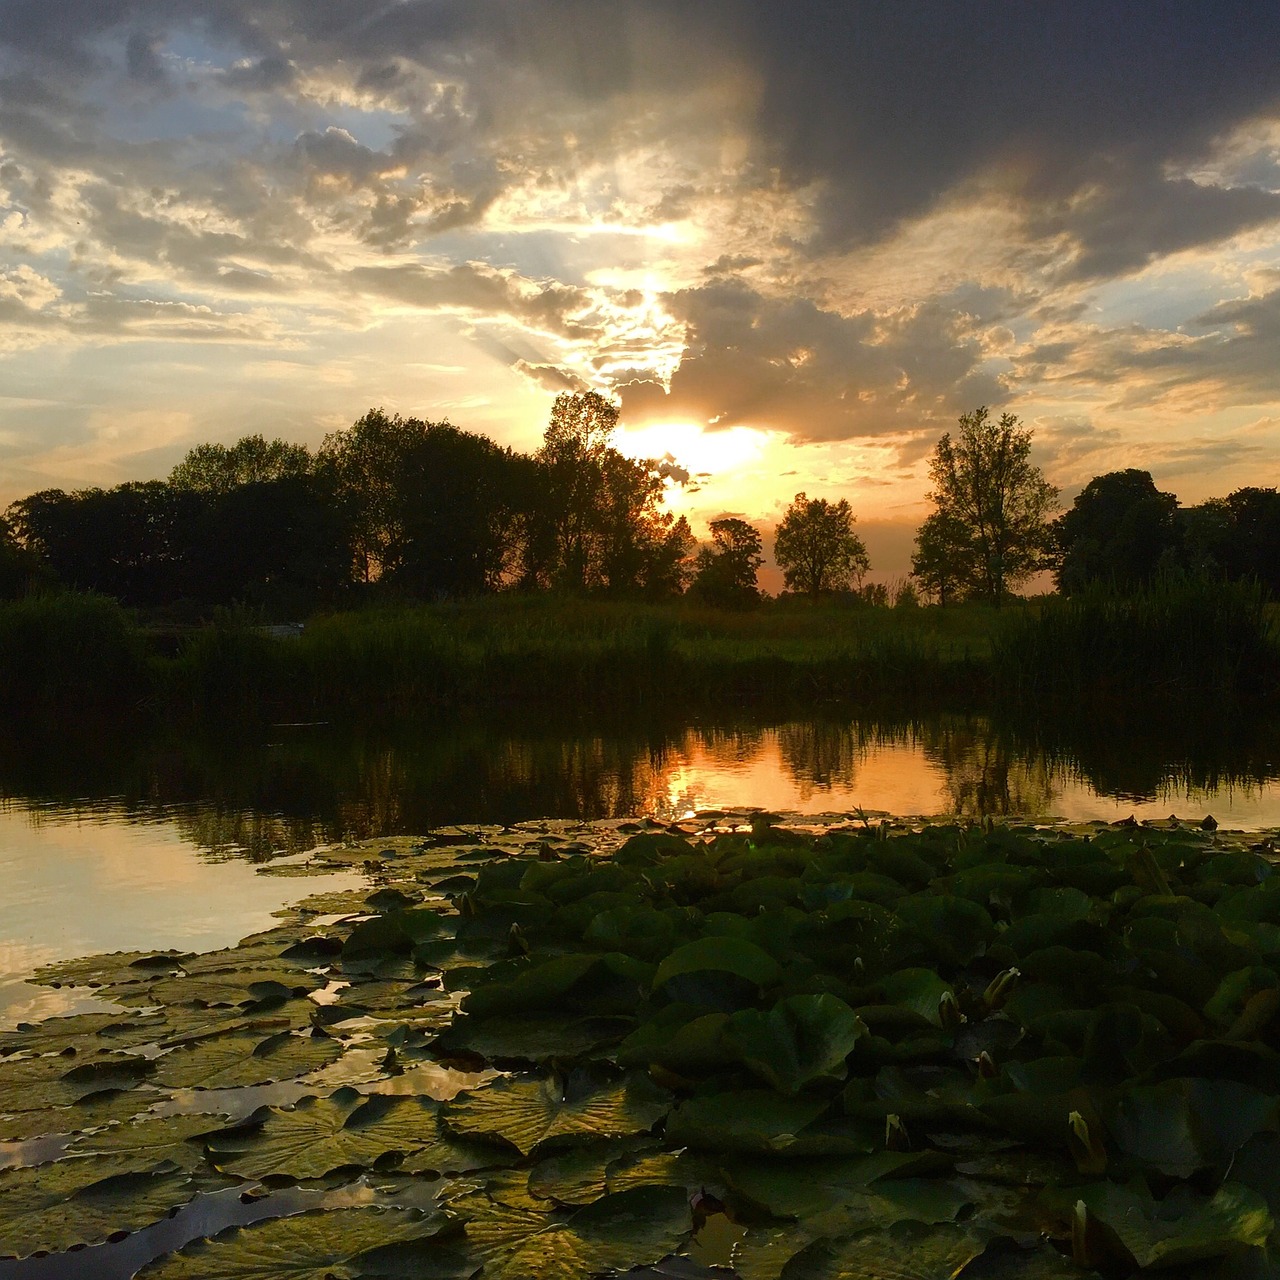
column 785, row 362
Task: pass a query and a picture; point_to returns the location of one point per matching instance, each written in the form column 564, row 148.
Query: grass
column 68, row 654
column 1179, row 641
column 495, row 653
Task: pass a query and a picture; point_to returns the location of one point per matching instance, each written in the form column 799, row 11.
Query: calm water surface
column 115, row 844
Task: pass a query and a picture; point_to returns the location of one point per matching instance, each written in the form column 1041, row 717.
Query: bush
column 70, row 655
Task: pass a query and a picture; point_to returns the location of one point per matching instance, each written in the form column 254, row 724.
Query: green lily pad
column 734, row 956
column 341, row 1244
column 909, row 1252
column 319, row 1135
column 36, row 1084
column 83, row 1200
column 244, row 1058
column 530, row 1113
column 121, row 968
column 72, row 1033
column 748, row 1120
column 1181, row 1229
column 617, row 1232
column 164, row 1139
column 801, row 1040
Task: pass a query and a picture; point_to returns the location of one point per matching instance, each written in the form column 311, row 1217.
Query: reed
column 1182, row 639
column 69, row 655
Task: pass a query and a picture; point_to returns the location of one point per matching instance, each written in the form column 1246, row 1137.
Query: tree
column 942, row 562
column 985, row 482
column 217, row 468
column 1119, row 529
column 1255, row 541
column 132, row 542
column 725, row 571
column 599, row 526
column 817, row 549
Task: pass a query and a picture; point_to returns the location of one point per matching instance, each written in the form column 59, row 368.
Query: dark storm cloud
column 754, row 360
column 1085, row 109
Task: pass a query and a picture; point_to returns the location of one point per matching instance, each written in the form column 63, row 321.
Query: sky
column 795, row 240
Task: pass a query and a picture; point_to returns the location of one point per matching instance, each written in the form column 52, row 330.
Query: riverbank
column 84, row 655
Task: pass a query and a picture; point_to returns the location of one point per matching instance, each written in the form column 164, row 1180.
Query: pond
column 118, row 841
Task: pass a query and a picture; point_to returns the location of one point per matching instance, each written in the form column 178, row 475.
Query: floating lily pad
column 173, row 1140
column 120, row 968
column 616, row 1232
column 318, row 1135
column 801, row 1040
column 342, row 1244
column 36, row 1084
column 244, row 1058
column 529, row 1113
column 79, row 1201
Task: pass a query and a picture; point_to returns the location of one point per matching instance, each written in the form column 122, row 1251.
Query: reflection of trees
column 821, row 753
column 985, row 775
column 259, row 837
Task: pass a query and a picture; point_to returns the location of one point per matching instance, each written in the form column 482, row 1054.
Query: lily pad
column 801, row 1040
column 336, row 1245
column 530, row 1113
column 616, row 1232
column 244, row 1058
column 79, row 1201
column 319, row 1135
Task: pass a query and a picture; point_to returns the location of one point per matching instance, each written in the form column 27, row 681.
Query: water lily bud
column 1086, row 1147
column 896, row 1137
column 858, row 966
column 987, row 1068
column 516, row 942
column 1001, row 987
column 1079, row 1234
column 949, row 1012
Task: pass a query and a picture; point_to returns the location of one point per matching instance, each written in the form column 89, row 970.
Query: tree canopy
column 817, row 548
column 994, row 501
column 725, row 571
column 1119, row 530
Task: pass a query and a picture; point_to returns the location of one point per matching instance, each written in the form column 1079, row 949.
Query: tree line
column 407, row 508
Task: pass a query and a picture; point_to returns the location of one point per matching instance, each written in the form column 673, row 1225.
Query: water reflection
column 309, row 785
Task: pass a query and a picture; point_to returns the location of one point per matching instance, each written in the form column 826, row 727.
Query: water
column 115, row 844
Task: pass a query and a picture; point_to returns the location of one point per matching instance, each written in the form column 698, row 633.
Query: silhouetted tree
column 599, row 526
column 725, row 572
column 465, row 513
column 217, row 468
column 985, row 482
column 1255, row 536
column 1119, row 530
column 132, row 542
column 280, row 543
column 817, row 548
column 943, row 558
column 367, row 466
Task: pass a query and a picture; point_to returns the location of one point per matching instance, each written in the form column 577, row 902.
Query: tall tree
column 1119, row 530
column 817, row 548
column 984, row 480
column 942, row 561
column 600, row 525
column 725, row 572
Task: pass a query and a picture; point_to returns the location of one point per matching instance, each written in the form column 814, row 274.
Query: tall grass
column 1185, row 640
column 70, row 656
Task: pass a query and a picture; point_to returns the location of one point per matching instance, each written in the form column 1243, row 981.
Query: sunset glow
column 261, row 220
